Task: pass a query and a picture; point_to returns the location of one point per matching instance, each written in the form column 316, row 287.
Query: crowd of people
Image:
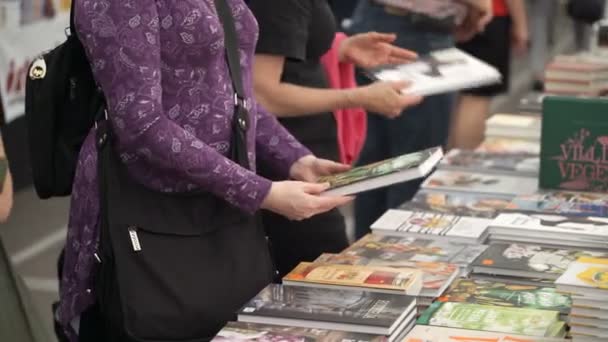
column 168, row 93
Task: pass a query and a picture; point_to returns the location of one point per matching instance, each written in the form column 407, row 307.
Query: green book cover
column 529, row 322
column 574, row 144
column 483, row 292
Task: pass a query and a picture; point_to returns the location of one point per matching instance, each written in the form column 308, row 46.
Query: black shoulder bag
column 177, row 267
column 61, row 103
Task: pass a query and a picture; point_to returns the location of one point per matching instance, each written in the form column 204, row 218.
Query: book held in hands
column 381, row 174
column 441, row 71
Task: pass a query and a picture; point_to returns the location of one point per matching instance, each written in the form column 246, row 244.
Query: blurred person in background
column 423, row 29
column 508, row 31
column 290, row 82
column 542, row 26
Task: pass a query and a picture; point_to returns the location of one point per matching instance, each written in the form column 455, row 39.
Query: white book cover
column 514, row 126
column 447, row 180
column 587, row 227
column 441, row 71
column 425, row 333
column 586, row 273
column 434, row 224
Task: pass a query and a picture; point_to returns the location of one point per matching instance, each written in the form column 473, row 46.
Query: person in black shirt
column 290, row 82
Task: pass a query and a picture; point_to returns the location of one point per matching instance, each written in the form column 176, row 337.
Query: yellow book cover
column 387, row 278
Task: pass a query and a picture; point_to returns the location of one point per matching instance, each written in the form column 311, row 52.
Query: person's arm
column 285, row 99
column 158, row 152
column 288, row 99
column 519, row 30
column 6, row 195
column 275, row 146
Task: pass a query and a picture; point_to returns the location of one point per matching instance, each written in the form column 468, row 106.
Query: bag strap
column 241, row 116
column 72, row 25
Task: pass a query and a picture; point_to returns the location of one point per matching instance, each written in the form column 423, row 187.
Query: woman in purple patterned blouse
column 161, row 65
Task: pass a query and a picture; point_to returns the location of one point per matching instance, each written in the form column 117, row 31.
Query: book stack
column 587, row 281
column 471, row 230
column 404, row 281
column 424, row 333
column 581, row 74
column 482, row 183
column 391, row 250
column 503, row 294
column 514, row 164
column 521, row 321
column 528, row 265
column 586, row 232
column 514, row 126
column 241, row 331
column 360, row 312
column 439, row 261
column 466, row 204
column 562, row 203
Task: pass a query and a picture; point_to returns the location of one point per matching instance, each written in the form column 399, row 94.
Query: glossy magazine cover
column 328, row 305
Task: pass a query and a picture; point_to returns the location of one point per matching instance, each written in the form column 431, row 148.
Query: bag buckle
column 240, row 101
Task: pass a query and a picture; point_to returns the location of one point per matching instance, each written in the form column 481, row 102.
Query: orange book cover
column 407, row 280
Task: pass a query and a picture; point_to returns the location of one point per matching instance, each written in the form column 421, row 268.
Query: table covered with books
column 504, row 243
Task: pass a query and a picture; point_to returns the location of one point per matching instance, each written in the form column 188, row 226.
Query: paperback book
column 554, row 229
column 488, row 184
column 371, row 278
column 527, row 261
column 499, row 294
column 588, row 322
column 514, row 126
column 425, row 333
column 516, row 164
column 587, row 277
column 387, row 250
column 574, row 148
column 318, row 308
column 432, row 225
column 458, row 203
column 529, row 322
column 436, row 276
column 241, row 332
column 509, row 146
column 381, row 174
column 441, row 71
column 562, row 203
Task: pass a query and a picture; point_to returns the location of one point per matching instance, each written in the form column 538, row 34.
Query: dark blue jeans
column 420, row 127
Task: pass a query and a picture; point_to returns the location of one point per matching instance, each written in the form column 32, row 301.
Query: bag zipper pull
column 134, row 239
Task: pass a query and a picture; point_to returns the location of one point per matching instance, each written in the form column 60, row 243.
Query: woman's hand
column 479, row 15
column 310, row 168
column 385, row 98
column 368, row 50
column 299, row 200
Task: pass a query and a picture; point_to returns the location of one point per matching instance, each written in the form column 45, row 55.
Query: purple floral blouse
column 161, row 65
